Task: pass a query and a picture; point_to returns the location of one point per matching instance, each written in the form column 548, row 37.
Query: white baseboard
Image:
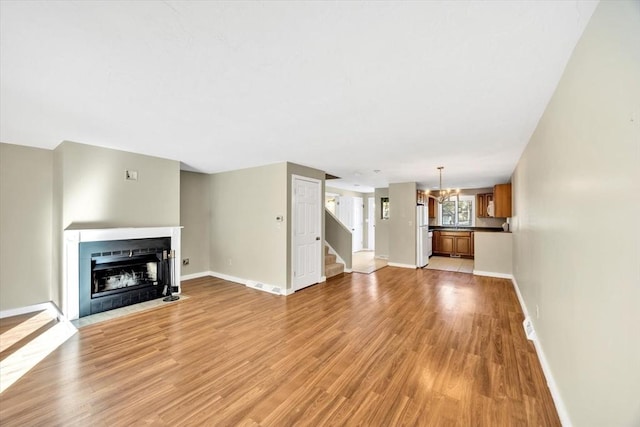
column 253, row 284
column 492, row 274
column 25, row 310
column 195, row 275
column 397, row 264
column 563, row 414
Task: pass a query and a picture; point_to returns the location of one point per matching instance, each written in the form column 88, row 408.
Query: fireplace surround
column 109, row 268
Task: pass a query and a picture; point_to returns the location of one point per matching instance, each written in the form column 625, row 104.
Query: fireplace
column 111, row 253
column 117, row 273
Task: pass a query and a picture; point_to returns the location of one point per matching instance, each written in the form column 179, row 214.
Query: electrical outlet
column 185, row 261
column 230, row 263
column 528, row 329
column 537, row 312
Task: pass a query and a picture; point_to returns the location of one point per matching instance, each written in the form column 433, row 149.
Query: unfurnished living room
column 372, row 213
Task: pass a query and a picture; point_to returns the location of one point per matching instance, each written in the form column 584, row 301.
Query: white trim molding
column 492, row 274
column 253, row 284
column 397, row 264
column 195, row 275
column 563, row 414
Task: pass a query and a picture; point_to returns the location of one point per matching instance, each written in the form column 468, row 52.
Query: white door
column 357, row 228
column 345, row 211
column 371, row 224
column 306, row 228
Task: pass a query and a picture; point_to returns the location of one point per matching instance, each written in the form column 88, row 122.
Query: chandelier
column 444, row 195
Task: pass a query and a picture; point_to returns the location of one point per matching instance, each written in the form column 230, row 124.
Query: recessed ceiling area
column 345, row 87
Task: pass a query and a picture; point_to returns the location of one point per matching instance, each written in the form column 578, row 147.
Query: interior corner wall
column 382, row 225
column 246, row 241
column 26, row 195
column 295, row 169
column 575, row 225
column 195, row 207
column 96, row 194
column 402, row 223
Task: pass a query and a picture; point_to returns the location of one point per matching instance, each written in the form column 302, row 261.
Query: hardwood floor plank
column 395, row 347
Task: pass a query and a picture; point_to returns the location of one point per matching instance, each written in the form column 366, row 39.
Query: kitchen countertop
column 485, row 229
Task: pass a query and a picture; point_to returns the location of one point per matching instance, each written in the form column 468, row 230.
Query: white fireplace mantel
column 71, row 254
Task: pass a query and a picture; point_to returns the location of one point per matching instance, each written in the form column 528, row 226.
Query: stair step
column 332, row 270
column 329, row 259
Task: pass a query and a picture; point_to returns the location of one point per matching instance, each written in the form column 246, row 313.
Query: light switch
column 131, row 175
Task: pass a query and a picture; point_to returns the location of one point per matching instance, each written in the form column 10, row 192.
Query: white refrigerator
column 422, row 236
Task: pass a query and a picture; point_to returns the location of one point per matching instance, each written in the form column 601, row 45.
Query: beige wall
column 246, row 240
column 402, row 223
column 382, row 226
column 576, row 233
column 295, row 169
column 493, row 253
column 96, row 194
column 26, row 197
column 195, row 206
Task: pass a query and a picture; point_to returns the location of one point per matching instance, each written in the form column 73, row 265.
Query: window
column 458, row 211
column 384, row 212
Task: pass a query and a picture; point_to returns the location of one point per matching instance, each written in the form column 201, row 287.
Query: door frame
column 320, row 260
column 357, row 207
column 371, row 223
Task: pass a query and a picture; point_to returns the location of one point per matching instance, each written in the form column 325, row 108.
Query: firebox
column 117, row 273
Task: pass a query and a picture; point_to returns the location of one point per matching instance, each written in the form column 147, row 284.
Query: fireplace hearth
column 117, row 273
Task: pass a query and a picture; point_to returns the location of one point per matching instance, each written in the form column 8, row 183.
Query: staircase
column 331, row 267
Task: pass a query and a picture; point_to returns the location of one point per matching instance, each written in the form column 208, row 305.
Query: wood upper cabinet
column 432, row 207
column 502, row 200
column 482, row 203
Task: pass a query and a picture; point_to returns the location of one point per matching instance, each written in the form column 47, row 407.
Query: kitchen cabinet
column 453, row 243
column 432, row 207
column 421, row 197
column 502, row 200
column 482, row 204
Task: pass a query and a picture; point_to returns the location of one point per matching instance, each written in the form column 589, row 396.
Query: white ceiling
column 345, row 87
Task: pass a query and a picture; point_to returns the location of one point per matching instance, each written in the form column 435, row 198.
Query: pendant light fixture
column 444, row 195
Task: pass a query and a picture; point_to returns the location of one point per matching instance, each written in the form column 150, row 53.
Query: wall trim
column 25, row 310
column 195, row 275
column 492, row 274
column 563, row 414
column 397, row 264
column 253, row 284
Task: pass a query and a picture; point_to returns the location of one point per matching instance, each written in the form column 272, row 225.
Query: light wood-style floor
column 366, row 262
column 395, row 347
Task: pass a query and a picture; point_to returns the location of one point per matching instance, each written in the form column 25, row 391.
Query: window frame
column 456, row 199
